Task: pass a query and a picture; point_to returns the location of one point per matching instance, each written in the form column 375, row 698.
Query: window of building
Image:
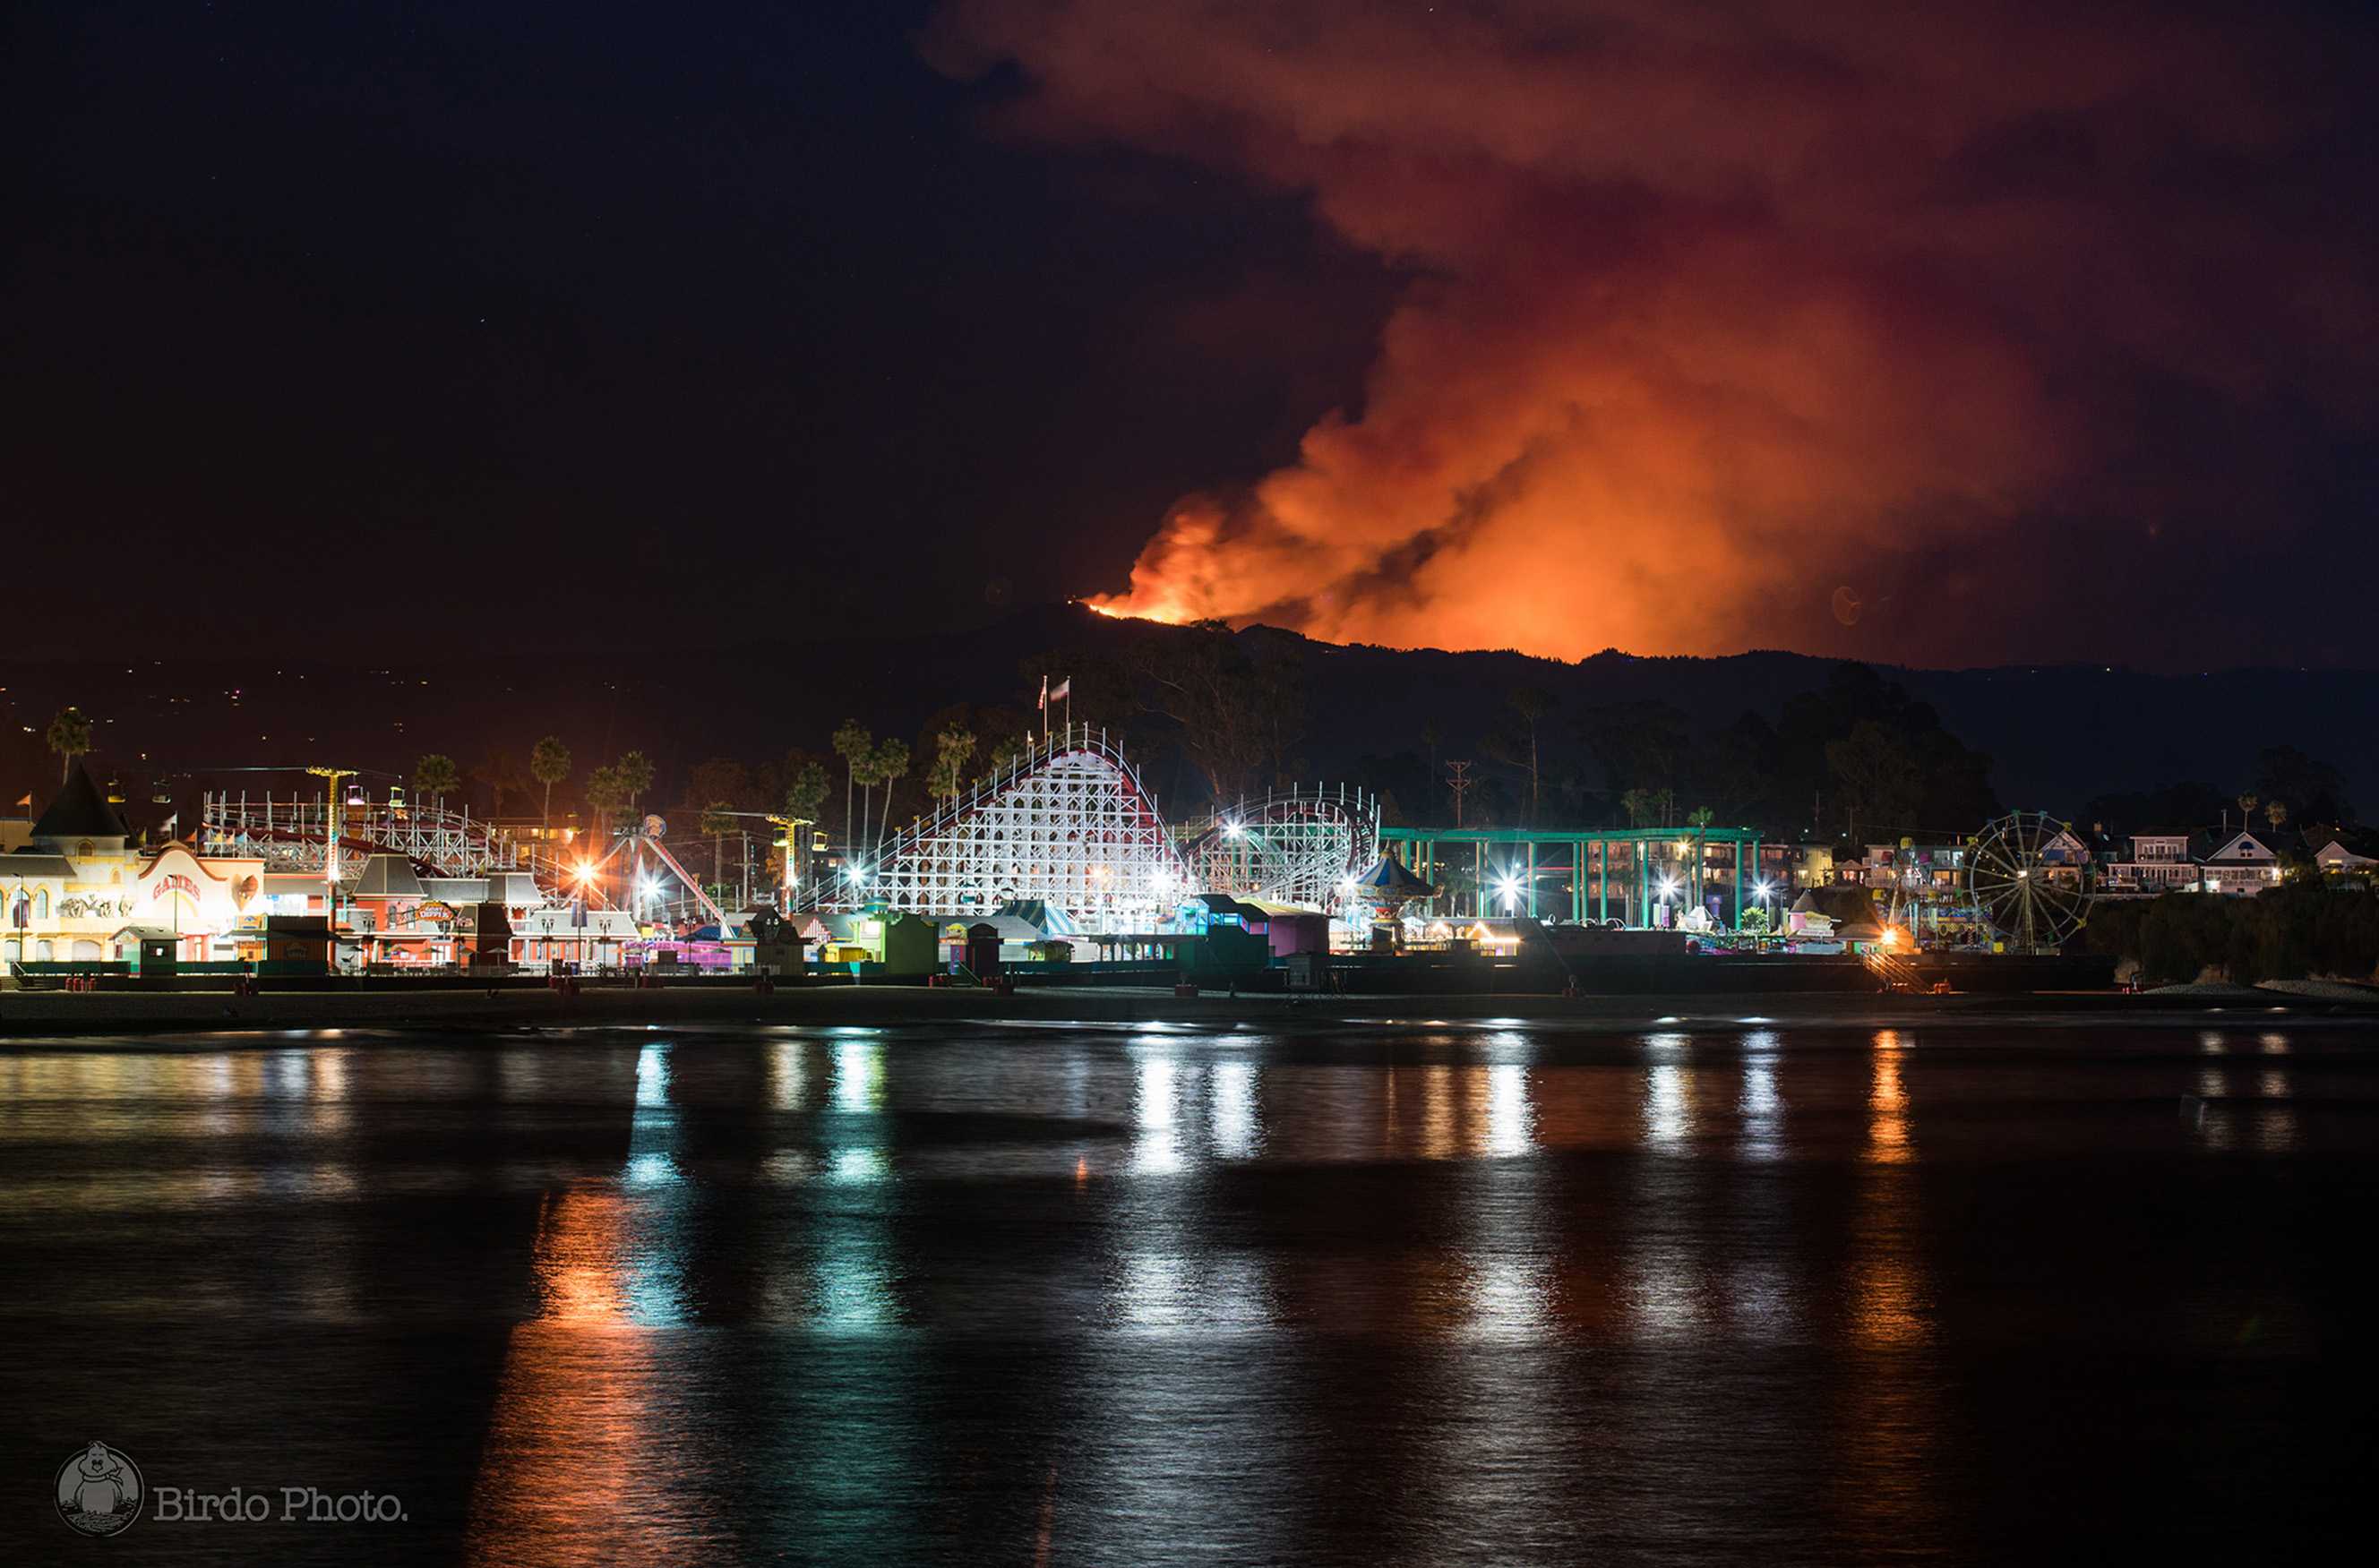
column 41, row 904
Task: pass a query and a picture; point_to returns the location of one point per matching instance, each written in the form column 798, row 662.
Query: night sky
column 2012, row 333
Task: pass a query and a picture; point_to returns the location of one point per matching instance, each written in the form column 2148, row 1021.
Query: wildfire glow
column 1750, row 326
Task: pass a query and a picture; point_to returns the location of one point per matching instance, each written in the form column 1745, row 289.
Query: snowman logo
column 99, row 1490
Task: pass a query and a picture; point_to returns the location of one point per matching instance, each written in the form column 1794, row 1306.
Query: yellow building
column 78, row 890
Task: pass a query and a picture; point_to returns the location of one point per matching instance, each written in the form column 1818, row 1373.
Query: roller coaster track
column 291, row 835
column 1069, row 823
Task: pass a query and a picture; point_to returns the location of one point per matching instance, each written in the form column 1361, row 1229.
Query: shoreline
column 52, row 1017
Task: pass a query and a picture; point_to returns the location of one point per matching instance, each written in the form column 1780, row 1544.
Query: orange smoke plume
column 1852, row 327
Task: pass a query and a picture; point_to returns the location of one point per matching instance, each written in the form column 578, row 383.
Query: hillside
column 2056, row 735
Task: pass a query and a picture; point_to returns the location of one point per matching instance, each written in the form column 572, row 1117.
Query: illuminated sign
column 433, row 909
column 172, row 883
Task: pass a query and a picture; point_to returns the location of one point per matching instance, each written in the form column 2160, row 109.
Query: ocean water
column 1328, row 1291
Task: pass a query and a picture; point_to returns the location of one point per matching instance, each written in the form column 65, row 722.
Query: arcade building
column 74, row 887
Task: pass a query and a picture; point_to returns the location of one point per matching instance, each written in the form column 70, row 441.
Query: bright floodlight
column 1668, row 885
column 1763, row 888
column 1508, row 887
column 1230, row 828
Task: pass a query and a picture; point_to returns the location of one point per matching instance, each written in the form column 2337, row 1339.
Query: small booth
column 776, row 944
column 982, row 950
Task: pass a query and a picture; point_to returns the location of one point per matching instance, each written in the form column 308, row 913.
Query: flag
column 27, row 802
column 1045, row 694
column 1064, row 688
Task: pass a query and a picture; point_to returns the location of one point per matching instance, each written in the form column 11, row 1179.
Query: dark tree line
column 2308, row 926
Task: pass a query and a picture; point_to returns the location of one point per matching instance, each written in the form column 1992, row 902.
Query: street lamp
column 585, row 887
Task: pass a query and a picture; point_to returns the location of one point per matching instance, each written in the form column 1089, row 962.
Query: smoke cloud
column 1938, row 334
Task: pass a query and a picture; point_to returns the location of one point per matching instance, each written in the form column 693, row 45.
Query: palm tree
column 804, row 798
column 718, row 820
column 1700, row 817
column 891, row 763
column 548, row 764
column 606, row 793
column 1531, row 704
column 637, row 776
column 2246, row 810
column 433, row 776
column 953, row 749
column 2275, row 813
column 857, row 749
column 1637, row 803
column 863, row 768
column 1003, row 755
column 69, row 736
column 500, row 772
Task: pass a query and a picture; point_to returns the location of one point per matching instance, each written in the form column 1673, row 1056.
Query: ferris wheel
column 2026, row 872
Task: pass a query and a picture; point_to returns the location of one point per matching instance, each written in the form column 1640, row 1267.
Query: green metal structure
column 1604, row 871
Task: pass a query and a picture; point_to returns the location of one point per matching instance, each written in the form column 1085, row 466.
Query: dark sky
column 442, row 322
column 2021, row 334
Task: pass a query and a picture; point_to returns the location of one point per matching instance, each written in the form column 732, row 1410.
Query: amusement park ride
column 2025, row 889
column 1070, row 824
column 293, row 833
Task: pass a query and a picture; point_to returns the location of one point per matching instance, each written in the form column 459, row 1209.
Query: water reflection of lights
column 854, row 1292
column 1507, row 1299
column 2276, row 1125
column 580, row 1389
column 858, row 1075
column 1157, row 1148
column 1237, row 1133
column 1887, row 1294
column 1665, row 1297
column 1759, row 1106
column 2273, row 1044
column 1886, row 1104
column 1509, row 1117
column 788, row 1076
column 1668, row 1118
column 653, row 1133
column 786, row 1167
column 577, row 1256
column 1437, row 1112
column 654, row 1284
column 1153, row 1292
column 859, row 1165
